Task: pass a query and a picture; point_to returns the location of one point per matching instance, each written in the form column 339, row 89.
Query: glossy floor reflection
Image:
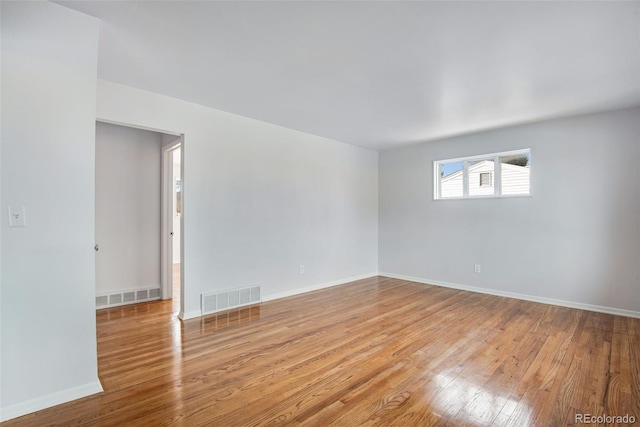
column 176, row 287
column 378, row 351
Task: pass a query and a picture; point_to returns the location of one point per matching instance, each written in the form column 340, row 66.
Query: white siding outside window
column 515, row 179
column 475, row 171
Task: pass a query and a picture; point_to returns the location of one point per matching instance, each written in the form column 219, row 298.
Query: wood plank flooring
column 376, row 352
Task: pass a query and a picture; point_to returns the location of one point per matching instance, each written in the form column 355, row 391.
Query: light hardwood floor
column 377, row 351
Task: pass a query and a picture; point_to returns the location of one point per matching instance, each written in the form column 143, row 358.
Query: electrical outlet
column 17, row 216
column 301, row 269
column 476, row 268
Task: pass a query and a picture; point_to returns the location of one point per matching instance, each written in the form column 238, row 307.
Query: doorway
column 177, row 213
column 138, row 172
column 172, row 265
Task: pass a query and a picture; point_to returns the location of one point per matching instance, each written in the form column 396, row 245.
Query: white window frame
column 497, row 175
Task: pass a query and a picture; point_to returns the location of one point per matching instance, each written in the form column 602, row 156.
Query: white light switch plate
column 17, row 216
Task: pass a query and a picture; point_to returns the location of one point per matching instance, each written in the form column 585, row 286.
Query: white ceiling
column 377, row 74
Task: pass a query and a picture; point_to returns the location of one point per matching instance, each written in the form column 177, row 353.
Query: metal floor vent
column 224, row 300
column 126, row 297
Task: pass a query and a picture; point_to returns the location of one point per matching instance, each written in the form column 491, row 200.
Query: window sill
column 515, row 196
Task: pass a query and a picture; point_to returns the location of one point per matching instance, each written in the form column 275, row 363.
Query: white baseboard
column 189, row 315
column 198, row 313
column 49, row 400
column 319, row 286
column 525, row 297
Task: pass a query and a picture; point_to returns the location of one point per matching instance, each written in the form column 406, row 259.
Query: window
column 491, row 175
column 485, row 179
column 451, row 178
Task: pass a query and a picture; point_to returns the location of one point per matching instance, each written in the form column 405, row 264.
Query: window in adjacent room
column 491, row 175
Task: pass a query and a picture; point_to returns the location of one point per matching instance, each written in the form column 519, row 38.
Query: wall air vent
column 213, row 302
column 114, row 299
column 102, row 301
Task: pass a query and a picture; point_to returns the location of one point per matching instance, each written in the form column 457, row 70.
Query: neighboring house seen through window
column 491, row 175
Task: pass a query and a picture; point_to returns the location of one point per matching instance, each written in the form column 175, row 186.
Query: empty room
column 385, row 213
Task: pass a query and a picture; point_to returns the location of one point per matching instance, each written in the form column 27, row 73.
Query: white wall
column 576, row 240
column 127, row 208
column 49, row 63
column 259, row 199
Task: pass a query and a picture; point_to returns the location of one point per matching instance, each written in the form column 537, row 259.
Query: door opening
column 138, row 215
column 172, row 214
